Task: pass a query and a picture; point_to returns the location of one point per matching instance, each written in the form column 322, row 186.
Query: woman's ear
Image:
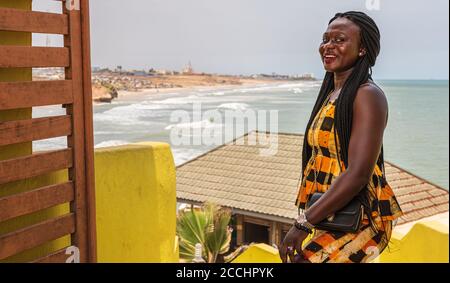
column 362, row 52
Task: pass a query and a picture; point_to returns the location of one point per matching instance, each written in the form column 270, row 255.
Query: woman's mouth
column 329, row 58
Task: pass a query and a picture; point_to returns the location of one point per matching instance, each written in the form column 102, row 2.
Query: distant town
column 107, row 83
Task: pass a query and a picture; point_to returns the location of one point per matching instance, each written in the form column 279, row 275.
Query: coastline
column 109, row 85
column 215, row 87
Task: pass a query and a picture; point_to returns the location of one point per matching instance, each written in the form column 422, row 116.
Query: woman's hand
column 292, row 242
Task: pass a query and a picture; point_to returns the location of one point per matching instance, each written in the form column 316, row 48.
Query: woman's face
column 340, row 47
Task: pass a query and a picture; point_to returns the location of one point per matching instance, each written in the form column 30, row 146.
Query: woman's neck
column 341, row 77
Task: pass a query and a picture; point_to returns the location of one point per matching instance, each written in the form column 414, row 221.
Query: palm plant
column 209, row 227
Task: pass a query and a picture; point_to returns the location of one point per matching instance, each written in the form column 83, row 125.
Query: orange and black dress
column 320, row 172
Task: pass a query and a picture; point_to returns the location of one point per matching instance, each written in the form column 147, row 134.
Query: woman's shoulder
column 370, row 99
column 371, row 93
column 371, row 86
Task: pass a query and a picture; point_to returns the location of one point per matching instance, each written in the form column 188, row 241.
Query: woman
column 341, row 165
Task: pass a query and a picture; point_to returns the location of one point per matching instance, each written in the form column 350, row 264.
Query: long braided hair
column 361, row 74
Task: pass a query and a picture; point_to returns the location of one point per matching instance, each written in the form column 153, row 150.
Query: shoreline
column 108, row 86
column 217, row 87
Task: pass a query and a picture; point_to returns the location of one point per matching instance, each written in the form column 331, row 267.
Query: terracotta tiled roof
column 236, row 175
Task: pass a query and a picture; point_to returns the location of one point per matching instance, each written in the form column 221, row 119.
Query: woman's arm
column 369, row 119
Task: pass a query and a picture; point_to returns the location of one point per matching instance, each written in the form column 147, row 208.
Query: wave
column 234, row 106
column 299, row 85
column 296, row 90
column 179, row 100
column 182, row 155
column 111, row 143
column 204, row 124
column 132, row 114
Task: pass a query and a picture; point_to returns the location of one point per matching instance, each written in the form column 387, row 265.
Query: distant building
column 139, row 73
column 164, row 72
column 307, row 76
column 188, row 70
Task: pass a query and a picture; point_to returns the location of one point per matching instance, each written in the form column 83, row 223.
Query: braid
column 327, row 86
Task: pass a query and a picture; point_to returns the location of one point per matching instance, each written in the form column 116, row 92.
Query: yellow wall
column 426, row 242
column 136, row 203
column 11, row 151
column 259, row 253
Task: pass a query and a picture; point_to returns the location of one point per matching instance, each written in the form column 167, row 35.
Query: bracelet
column 308, row 224
column 302, row 227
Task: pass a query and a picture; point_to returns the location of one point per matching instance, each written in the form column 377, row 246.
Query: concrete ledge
column 259, row 253
column 136, row 203
column 426, row 242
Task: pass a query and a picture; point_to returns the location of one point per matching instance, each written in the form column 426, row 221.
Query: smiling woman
column 343, row 164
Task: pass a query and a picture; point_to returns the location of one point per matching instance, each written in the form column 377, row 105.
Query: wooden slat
column 15, row 95
column 29, row 21
column 88, row 131
column 76, row 140
column 34, row 165
column 35, row 235
column 33, row 57
column 35, row 200
column 56, row 257
column 34, row 129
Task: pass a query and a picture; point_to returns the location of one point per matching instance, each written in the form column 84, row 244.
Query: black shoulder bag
column 349, row 218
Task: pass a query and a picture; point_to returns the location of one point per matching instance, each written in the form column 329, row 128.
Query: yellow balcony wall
column 136, row 203
column 426, row 242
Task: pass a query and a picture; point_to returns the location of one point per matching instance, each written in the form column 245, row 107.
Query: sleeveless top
column 325, row 169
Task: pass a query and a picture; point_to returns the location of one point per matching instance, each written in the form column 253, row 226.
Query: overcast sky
column 260, row 36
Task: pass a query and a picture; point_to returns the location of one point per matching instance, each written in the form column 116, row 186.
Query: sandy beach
column 107, row 87
column 149, row 91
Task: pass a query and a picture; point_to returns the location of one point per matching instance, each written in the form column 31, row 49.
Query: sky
column 259, row 36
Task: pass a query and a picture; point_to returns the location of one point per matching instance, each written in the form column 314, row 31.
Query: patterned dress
column 372, row 238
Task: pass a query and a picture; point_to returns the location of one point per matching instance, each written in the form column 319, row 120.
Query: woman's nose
column 328, row 45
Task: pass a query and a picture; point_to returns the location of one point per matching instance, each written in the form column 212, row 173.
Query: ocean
column 416, row 138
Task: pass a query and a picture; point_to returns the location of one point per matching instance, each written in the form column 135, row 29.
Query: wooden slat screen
column 29, row 21
column 33, row 57
column 35, row 200
column 34, row 165
column 35, row 235
column 56, row 257
column 14, row 95
column 74, row 93
column 34, row 129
